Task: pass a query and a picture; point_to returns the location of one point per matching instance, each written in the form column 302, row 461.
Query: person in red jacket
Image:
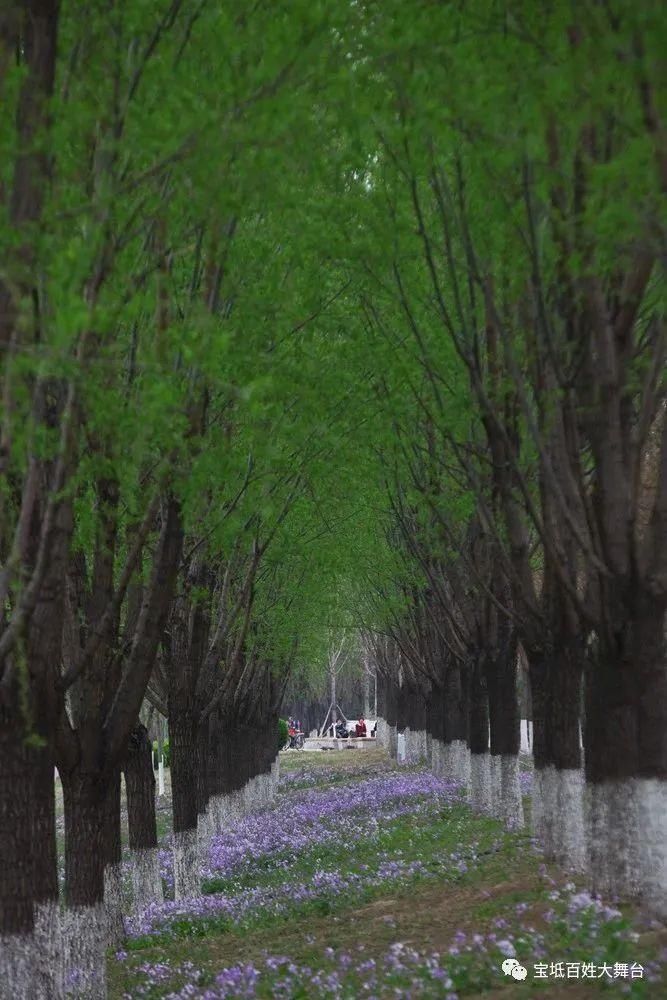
column 361, row 727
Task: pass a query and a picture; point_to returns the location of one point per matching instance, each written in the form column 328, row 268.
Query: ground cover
column 374, row 885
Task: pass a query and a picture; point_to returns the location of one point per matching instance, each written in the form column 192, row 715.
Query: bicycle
column 295, row 742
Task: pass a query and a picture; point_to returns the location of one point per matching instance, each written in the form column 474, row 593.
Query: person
column 361, row 727
column 374, row 729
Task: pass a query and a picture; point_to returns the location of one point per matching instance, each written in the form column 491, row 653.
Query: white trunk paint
column 437, row 762
column 31, row 965
column 569, row 830
column 510, row 792
column 456, row 761
column 495, row 769
column 220, row 813
column 113, row 902
column 652, row 800
column 187, row 881
column 212, row 821
column 443, row 759
column 85, row 940
column 146, row 879
column 18, row 972
column 392, row 746
column 248, row 797
column 595, row 817
column 252, row 797
column 537, row 806
column 480, row 789
column 462, row 757
column 204, row 829
column 619, row 854
column 48, row 951
column 446, row 761
column 400, row 747
column 549, row 811
column 160, row 778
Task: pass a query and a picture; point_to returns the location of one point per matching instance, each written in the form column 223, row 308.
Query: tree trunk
column 626, row 756
column 413, row 711
column 205, row 762
column 183, row 752
column 543, row 797
column 113, row 882
column 436, row 725
column 85, row 932
column 555, row 672
column 455, row 704
column 220, row 768
column 568, row 841
column 141, row 820
column 17, row 876
column 392, row 698
column 480, row 793
column 382, row 733
column 505, row 727
column 367, row 693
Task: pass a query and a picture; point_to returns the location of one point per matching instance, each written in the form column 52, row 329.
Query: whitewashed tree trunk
column 85, row 940
column 615, row 838
column 48, row 951
column 463, row 762
column 187, row 880
column 652, row 803
column 569, row 831
column 447, row 763
column 113, row 902
column 393, row 742
column 146, row 878
column 510, row 791
column 20, row 975
column 437, row 751
column 549, row 811
column 537, row 805
column 400, row 748
column 496, row 786
column 480, row 789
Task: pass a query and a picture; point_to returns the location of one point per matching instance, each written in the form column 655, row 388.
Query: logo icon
column 514, row 969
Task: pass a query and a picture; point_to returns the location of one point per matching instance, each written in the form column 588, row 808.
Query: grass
column 424, row 912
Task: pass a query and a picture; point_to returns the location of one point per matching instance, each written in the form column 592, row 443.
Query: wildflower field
column 366, row 879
